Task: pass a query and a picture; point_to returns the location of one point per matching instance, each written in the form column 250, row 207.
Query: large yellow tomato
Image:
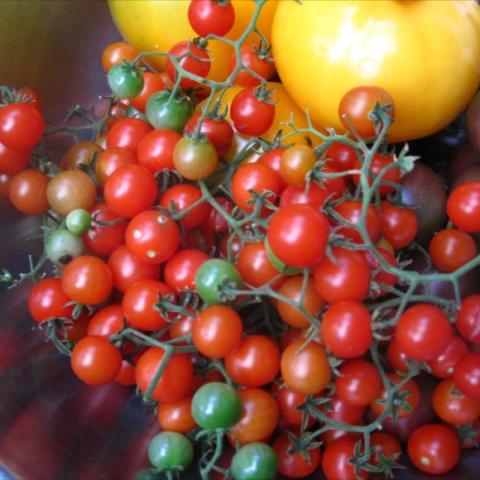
column 157, row 25
column 284, row 108
column 426, row 54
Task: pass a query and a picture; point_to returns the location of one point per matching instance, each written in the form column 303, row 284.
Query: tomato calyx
column 302, row 443
column 263, row 94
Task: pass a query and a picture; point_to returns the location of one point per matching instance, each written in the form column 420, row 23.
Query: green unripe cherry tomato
column 78, row 221
column 211, row 276
column 125, row 81
column 255, row 461
column 62, row 246
column 170, row 450
column 195, row 159
column 165, row 112
column 216, row 405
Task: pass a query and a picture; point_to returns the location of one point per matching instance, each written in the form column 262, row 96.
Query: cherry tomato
column 152, row 236
column 357, row 104
column 217, row 130
column 125, row 80
column 181, row 327
column 423, row 332
column 28, row 95
column 95, row 361
column 288, row 402
column 359, row 383
column 450, row 249
column 294, row 465
column 28, row 192
column 412, row 399
column 298, row 235
column 452, row 406
column 433, row 448
column 21, row 126
column 217, row 331
column 259, row 416
column 255, row 59
column 127, row 133
column 117, row 52
column 195, row 159
column 12, row 161
column 139, row 305
column 87, row 280
column 292, row 289
column 163, row 111
column 400, row 225
column 463, row 207
column 296, row 163
column 111, row 160
column 126, row 375
column 335, row 186
column 251, row 115
column 386, row 444
column 155, row 150
column 466, row 375
column 182, row 197
column 381, row 276
column 305, row 371
column 176, row 416
column 107, row 321
column 396, row 358
column 271, row 159
column 208, row 16
column 192, row 58
column 152, row 82
column 351, row 211
column 181, row 268
column 130, row 190
column 313, row 195
column 468, row 319
column 254, row 266
column 246, row 364
column 444, row 365
column 340, row 411
column 341, row 157
column 175, row 380
column 76, row 330
column 47, row 300
column 347, row 277
column 336, row 462
column 215, row 221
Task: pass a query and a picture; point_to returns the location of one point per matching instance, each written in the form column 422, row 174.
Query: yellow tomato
column 426, row 54
column 157, row 25
column 284, row 108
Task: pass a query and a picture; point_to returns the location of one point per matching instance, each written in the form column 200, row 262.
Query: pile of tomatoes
column 262, row 302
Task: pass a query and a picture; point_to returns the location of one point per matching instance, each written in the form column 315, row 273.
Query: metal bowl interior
column 51, row 425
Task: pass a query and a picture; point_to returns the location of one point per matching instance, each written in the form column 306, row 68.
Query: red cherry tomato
column 127, row 133
column 463, row 207
column 351, row 212
column 336, row 460
column 252, row 57
column 400, row 225
column 210, row 17
column 106, row 321
column 155, row 150
column 451, row 249
column 468, row 319
column 341, row 157
column 444, row 365
column 12, row 161
column 313, row 195
column 47, row 300
column 466, row 375
column 152, row 82
column 254, row 266
column 180, row 269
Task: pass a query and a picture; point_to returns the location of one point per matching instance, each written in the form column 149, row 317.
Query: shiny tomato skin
column 466, row 375
column 87, row 280
column 271, row 159
column 423, row 332
column 130, row 190
column 12, row 161
column 305, row 371
column 176, row 416
column 117, row 52
column 340, row 411
column 95, row 360
column 296, row 162
column 180, row 269
column 127, row 133
column 175, row 380
column 47, row 299
column 400, row 225
column 181, row 197
column 155, row 150
column 111, row 160
column 215, row 221
column 359, row 383
column 288, row 402
column 126, row 375
column 217, row 331
column 126, row 269
column 450, row 249
column 294, row 465
column 298, row 235
column 152, row 237
column 314, row 195
column 339, row 156
column 443, row 366
column 291, row 288
column 152, row 82
column 28, row 192
column 336, row 460
column 396, row 358
column 138, row 305
column 107, row 321
column 463, row 207
column 346, row 329
column 468, row 319
column 104, row 239
column 434, row 448
column 254, row 266
column 265, row 67
column 452, row 406
column 346, row 278
column 259, row 417
column 246, row 363
column 351, row 211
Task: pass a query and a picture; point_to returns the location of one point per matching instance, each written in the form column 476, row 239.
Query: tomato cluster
column 263, row 303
